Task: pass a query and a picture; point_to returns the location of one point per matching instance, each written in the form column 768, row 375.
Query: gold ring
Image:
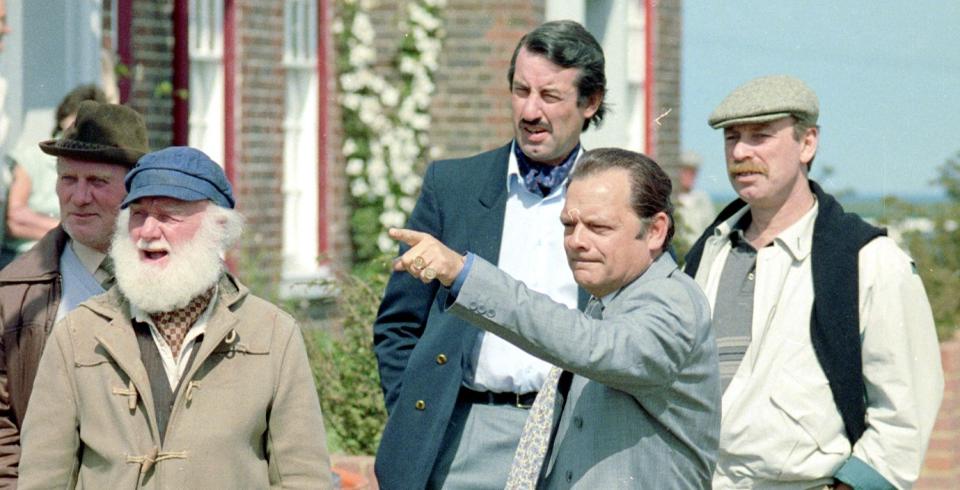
column 429, row 273
column 419, row 262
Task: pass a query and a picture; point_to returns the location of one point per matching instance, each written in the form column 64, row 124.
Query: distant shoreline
column 869, row 205
column 933, row 197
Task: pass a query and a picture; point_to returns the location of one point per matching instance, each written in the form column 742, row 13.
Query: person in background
column 68, row 264
column 693, row 205
column 32, row 205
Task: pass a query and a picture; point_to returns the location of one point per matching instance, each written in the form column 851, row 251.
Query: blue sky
column 887, row 74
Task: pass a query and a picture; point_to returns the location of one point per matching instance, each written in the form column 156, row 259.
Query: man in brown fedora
column 67, row 265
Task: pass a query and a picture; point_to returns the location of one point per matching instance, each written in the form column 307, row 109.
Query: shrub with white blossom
column 385, row 124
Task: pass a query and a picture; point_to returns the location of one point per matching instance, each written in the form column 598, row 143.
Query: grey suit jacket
column 643, row 407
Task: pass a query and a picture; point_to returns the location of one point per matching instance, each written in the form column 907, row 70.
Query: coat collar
column 117, row 336
column 796, row 239
column 662, row 267
column 493, row 186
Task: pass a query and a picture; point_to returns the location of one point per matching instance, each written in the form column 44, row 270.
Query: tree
column 937, row 253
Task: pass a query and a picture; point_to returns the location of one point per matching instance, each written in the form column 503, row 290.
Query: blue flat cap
column 767, row 99
column 180, row 172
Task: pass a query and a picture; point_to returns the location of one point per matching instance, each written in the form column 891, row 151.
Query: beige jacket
column 781, row 428
column 246, row 414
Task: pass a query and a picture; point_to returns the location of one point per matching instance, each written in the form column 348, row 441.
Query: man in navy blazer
column 457, row 398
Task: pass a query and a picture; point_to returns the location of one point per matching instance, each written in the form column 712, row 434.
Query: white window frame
column 301, row 266
column 206, row 92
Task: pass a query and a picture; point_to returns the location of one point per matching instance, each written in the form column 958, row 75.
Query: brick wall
column 941, row 468
column 258, row 123
column 152, row 38
column 471, row 105
column 258, row 114
column 471, row 108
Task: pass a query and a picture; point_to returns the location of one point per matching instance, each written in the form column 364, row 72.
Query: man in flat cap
column 828, row 355
column 178, row 377
column 67, row 265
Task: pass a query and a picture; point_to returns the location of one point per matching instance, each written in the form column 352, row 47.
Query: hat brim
column 91, row 153
column 163, row 190
column 752, row 119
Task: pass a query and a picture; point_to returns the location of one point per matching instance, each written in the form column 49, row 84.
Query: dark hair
column 567, row 44
column 650, row 187
column 71, row 102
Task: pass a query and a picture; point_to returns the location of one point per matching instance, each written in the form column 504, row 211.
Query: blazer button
column 441, row 359
column 578, row 422
column 420, row 405
column 569, row 476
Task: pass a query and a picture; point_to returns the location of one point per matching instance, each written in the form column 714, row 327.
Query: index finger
column 410, row 237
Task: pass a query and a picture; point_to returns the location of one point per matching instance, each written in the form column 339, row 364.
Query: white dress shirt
column 531, row 251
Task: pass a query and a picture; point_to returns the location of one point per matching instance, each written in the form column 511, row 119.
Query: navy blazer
column 420, row 347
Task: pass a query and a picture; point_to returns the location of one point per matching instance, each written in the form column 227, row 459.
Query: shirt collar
column 513, row 169
column 797, row 239
column 89, row 257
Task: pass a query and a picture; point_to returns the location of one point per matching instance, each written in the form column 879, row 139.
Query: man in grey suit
column 641, row 407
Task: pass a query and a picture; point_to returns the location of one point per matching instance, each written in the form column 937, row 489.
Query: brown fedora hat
column 103, row 133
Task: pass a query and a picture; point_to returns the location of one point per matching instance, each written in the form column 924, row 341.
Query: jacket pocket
column 819, row 430
column 90, row 358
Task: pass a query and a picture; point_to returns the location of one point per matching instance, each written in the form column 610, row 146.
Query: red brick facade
column 258, row 102
column 941, row 468
column 471, row 109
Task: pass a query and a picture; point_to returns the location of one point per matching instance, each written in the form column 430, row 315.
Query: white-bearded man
column 178, row 377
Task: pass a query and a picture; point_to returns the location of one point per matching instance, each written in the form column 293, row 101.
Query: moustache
column 745, row 167
column 534, row 125
column 153, row 245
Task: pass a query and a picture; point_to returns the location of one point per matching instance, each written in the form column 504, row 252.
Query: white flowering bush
column 385, row 122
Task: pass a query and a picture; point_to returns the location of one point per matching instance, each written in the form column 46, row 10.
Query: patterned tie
column 173, row 325
column 109, row 277
column 532, row 449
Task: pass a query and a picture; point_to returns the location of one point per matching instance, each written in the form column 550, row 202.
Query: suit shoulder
column 479, row 162
column 676, row 289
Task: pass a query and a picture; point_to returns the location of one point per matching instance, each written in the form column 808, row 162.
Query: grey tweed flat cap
column 767, row 99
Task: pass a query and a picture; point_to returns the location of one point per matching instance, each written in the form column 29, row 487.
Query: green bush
column 937, row 254
column 345, row 367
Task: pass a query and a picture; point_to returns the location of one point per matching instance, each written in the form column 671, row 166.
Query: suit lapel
column 488, row 211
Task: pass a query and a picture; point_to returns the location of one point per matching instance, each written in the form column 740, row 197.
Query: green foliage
column 364, row 227
column 344, row 365
column 385, row 115
column 680, row 243
column 937, row 253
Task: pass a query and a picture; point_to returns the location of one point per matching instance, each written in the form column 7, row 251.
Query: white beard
column 190, row 270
